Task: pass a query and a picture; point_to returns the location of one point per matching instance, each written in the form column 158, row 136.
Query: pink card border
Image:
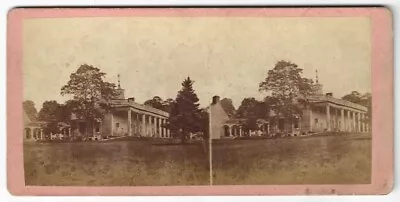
column 382, row 90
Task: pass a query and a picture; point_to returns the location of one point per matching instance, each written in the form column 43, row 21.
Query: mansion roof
column 337, row 101
column 116, row 103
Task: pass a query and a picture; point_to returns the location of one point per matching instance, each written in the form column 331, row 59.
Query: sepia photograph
column 205, row 98
column 296, row 104
column 114, row 101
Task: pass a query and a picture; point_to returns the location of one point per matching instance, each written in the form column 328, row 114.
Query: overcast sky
column 228, row 57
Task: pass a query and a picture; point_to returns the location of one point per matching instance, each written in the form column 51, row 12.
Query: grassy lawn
column 296, row 160
column 115, row 163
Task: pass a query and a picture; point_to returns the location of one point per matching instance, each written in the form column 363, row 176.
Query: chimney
column 131, row 99
column 329, row 94
column 215, row 99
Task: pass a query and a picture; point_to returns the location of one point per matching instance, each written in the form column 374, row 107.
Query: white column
column 359, row 122
column 168, row 133
column 41, row 134
column 348, row 122
column 328, row 117
column 230, row 131
column 311, row 119
column 240, row 131
column 354, row 122
column 144, row 125
column 112, row 124
column 159, row 127
column 363, row 123
column 342, row 123
column 164, row 130
column 137, row 124
column 129, row 122
column 337, row 120
column 154, row 126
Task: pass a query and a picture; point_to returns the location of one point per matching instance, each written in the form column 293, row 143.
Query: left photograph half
column 110, row 102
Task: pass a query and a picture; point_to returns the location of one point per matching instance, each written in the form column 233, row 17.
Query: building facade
column 322, row 113
column 128, row 118
column 33, row 130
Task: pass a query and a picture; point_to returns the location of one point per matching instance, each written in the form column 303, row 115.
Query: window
column 316, row 121
column 117, row 125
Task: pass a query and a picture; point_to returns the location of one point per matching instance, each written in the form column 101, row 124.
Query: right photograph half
column 299, row 110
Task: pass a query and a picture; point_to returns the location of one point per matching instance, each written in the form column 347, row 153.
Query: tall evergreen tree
column 185, row 116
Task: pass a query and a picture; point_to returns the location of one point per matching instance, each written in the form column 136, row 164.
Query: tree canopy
column 49, row 111
column 228, row 107
column 251, row 110
column 158, row 103
column 185, row 116
column 90, row 92
column 286, row 85
column 361, row 99
column 30, row 109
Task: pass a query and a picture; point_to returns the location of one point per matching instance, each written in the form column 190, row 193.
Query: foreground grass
column 115, row 163
column 296, row 160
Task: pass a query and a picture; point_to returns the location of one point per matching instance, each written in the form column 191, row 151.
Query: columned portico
column 326, row 113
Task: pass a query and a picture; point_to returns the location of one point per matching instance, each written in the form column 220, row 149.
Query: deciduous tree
column 90, row 92
column 250, row 110
column 29, row 108
column 228, row 107
column 158, row 103
column 287, row 86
